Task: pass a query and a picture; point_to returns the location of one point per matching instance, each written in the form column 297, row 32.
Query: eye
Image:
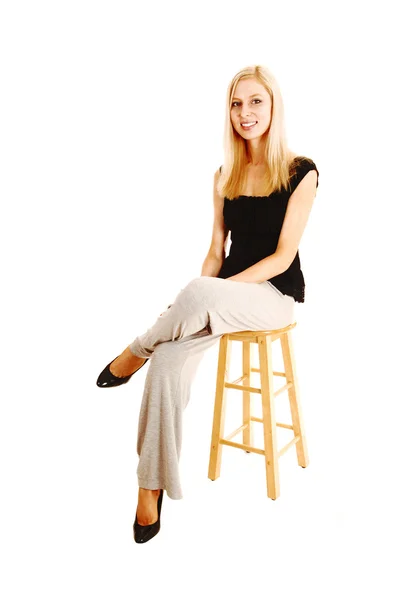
column 257, row 99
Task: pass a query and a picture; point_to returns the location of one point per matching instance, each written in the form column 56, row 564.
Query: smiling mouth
column 246, row 127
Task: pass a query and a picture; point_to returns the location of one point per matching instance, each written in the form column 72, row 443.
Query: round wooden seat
column 267, row 331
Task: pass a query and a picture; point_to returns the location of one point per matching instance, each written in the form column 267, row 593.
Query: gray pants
column 202, row 312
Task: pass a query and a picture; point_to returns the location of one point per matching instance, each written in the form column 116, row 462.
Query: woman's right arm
column 216, row 254
column 217, row 251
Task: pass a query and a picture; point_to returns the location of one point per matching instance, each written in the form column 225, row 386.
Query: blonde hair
column 281, row 161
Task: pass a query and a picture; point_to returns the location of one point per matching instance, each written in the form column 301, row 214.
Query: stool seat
column 263, row 339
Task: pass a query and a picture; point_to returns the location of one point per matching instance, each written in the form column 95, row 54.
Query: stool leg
column 294, row 398
column 247, row 432
column 268, row 416
column 220, row 408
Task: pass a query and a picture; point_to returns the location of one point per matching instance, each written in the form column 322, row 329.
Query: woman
column 263, row 195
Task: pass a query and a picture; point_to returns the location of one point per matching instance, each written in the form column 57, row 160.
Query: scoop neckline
column 244, row 196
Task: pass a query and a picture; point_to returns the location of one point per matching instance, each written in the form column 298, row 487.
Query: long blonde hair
column 281, row 161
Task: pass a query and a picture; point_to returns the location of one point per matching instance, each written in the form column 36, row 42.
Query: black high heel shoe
column 144, row 533
column 107, row 379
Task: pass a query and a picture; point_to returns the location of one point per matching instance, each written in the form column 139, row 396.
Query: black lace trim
column 298, row 293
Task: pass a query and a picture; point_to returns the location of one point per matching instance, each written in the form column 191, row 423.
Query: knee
column 193, row 283
column 199, row 283
column 200, row 292
column 192, row 288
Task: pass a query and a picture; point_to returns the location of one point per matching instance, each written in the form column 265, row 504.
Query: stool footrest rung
column 258, row 420
column 241, row 446
column 247, row 388
column 276, row 373
column 227, row 442
column 288, row 445
column 285, row 425
column 244, row 388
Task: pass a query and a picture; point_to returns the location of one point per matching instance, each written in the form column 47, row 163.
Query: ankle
column 148, row 492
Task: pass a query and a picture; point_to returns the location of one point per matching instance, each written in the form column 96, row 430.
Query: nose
column 245, row 114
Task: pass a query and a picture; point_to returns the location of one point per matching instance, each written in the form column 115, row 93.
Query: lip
column 248, row 128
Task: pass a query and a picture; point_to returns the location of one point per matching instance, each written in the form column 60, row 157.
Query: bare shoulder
column 218, row 199
column 220, row 231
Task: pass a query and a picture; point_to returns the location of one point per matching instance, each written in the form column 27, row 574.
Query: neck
column 255, row 155
column 253, row 162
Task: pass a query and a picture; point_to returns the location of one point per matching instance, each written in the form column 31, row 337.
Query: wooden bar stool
column 264, row 340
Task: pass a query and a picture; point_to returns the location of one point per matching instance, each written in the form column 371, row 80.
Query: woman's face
column 251, row 103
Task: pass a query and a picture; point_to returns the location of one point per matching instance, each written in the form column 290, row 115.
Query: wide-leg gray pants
column 202, row 312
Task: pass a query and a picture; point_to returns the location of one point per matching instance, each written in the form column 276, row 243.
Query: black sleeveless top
column 255, row 223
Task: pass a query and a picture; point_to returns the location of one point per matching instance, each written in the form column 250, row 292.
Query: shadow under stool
column 264, row 340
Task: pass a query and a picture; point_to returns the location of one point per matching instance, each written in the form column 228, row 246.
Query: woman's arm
column 217, row 250
column 212, row 265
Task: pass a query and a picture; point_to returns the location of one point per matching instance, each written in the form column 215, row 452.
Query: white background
column 112, row 117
